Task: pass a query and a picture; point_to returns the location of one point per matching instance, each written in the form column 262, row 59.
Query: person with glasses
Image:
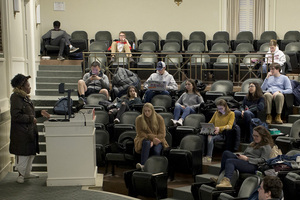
column 256, row 153
column 120, row 46
column 275, row 85
column 253, row 102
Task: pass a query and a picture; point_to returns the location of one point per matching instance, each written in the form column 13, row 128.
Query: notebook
column 207, row 129
column 55, row 34
column 157, row 85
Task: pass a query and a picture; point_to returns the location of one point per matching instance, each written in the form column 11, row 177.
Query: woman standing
column 23, row 132
column 223, row 119
column 150, row 134
column 128, row 101
column 257, row 152
column 252, row 103
column 187, row 103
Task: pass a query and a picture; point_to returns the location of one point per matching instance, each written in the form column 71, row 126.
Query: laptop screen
column 207, row 128
column 55, row 34
column 157, row 85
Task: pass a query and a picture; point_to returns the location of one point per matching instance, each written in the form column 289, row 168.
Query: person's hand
column 242, row 113
column 135, row 95
column 44, row 113
column 151, row 144
column 269, row 74
column 275, row 93
column 217, row 130
column 182, row 106
column 123, row 103
column 34, row 120
column 243, row 157
column 156, row 141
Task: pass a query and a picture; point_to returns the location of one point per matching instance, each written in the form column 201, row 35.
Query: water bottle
column 133, row 46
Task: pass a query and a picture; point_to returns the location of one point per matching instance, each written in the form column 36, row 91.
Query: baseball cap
column 160, row 65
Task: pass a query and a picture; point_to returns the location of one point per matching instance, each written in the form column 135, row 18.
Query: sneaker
column 174, row 121
column 225, row 183
column 73, row 49
column 213, row 179
column 20, row 179
column 278, row 119
column 81, row 101
column 60, row 58
column 31, row 176
column 116, row 121
column 208, row 159
column 139, row 166
column 179, row 122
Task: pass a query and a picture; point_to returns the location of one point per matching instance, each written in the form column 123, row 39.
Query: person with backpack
column 187, row 103
column 24, row 143
column 253, row 103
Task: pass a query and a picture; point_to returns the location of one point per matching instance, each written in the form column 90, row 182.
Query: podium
column 70, row 149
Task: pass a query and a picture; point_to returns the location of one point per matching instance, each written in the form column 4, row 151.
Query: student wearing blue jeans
column 257, row 152
column 150, row 134
column 252, row 103
column 187, row 103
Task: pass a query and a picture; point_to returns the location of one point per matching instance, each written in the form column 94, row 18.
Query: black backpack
column 61, row 106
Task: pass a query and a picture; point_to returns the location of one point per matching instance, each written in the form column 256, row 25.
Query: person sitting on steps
column 275, row 85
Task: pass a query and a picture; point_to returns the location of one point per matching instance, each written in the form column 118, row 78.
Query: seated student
column 252, row 103
column 121, row 45
column 223, row 119
column 270, row 188
column 275, row 85
column 128, row 100
column 160, row 75
column 187, row 103
column 274, row 55
column 94, row 81
column 257, row 152
column 62, row 40
column 150, row 134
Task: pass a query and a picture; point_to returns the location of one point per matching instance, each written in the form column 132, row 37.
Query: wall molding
column 18, row 59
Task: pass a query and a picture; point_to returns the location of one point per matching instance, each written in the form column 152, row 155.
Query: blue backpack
column 61, row 106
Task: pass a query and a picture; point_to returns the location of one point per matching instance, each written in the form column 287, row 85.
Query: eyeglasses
column 250, row 86
column 122, row 35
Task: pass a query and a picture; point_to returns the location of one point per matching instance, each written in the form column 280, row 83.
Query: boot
column 225, row 183
column 278, row 119
column 269, row 119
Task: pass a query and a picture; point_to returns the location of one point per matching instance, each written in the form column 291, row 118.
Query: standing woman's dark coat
column 23, row 132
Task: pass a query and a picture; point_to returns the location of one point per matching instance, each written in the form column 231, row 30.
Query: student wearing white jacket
column 279, row 56
column 160, row 75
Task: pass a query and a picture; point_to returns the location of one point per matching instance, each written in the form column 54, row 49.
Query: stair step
column 40, row 158
column 39, row 167
column 58, row 79
column 214, row 168
column 40, row 127
column 42, row 137
column 204, row 177
column 51, row 92
column 284, row 128
column 40, row 85
column 47, row 73
column 42, row 146
column 61, row 67
column 182, row 193
column 293, row 118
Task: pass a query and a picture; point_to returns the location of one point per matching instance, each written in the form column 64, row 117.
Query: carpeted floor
column 36, row 189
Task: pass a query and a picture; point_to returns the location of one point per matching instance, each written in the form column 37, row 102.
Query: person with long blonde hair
column 151, row 133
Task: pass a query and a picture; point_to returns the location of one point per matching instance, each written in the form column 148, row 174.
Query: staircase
column 49, row 75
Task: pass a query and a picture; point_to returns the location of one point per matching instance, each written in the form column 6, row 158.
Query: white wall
column 136, row 15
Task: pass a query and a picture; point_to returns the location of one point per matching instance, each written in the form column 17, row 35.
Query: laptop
column 55, row 34
column 157, row 85
column 207, row 128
